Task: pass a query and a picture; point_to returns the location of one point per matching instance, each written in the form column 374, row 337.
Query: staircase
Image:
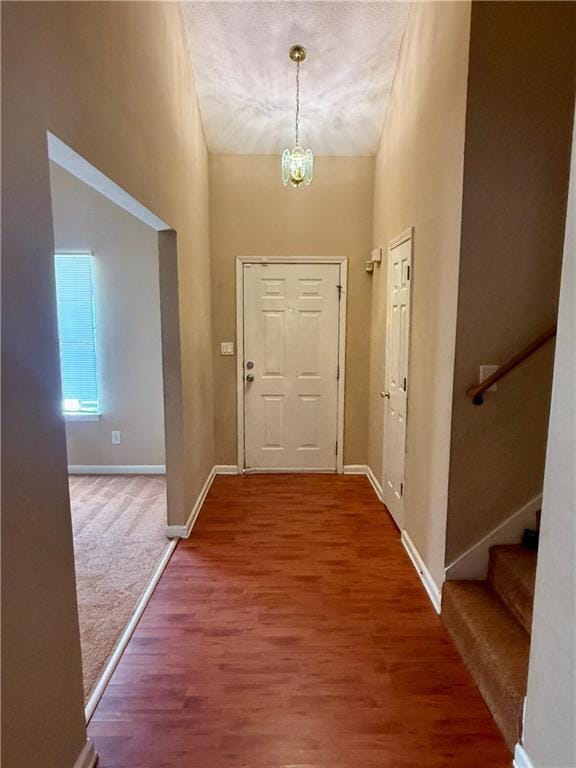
column 490, row 623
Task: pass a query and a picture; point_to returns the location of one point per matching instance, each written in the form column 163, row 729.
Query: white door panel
column 396, row 377
column 291, row 327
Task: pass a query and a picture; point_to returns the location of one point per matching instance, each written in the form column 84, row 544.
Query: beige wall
column 253, row 214
column 549, row 733
column 113, row 81
column 418, row 183
column 127, row 304
column 518, row 127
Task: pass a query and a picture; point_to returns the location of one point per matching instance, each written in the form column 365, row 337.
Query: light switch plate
column 226, row 347
column 488, row 370
column 115, row 437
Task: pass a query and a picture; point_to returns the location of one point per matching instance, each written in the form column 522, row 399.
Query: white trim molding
column 75, row 417
column 521, row 758
column 355, row 469
column 365, row 469
column 183, row 531
column 342, row 261
column 473, row 563
column 434, row 592
column 112, row 662
column 432, row 589
column 226, row 469
column 88, row 757
column 116, row 469
column 407, row 234
column 375, row 484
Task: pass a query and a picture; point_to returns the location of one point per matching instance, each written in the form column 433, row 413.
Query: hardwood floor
column 291, row 630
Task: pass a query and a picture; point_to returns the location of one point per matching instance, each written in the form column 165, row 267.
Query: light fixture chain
column 297, row 101
column 297, row 163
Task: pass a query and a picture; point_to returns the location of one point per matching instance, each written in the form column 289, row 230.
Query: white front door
column 291, row 330
column 396, row 374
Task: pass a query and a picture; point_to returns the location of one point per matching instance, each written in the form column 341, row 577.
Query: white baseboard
column 116, row 469
column 521, row 758
column 364, row 469
column 87, row 757
column 434, row 592
column 375, row 484
column 183, row 531
column 473, row 564
column 112, row 663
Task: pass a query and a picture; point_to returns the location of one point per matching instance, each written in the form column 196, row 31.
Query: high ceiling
column 246, row 82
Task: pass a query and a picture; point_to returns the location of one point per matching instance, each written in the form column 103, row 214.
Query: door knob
column 385, row 394
column 249, row 377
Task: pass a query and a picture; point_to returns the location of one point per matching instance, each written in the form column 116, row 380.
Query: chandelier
column 297, row 163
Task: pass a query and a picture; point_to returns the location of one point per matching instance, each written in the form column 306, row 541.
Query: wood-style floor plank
column 291, row 630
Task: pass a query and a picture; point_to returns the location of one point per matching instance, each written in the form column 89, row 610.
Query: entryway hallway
column 291, row 629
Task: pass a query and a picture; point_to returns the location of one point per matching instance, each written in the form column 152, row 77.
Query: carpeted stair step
column 512, row 573
column 493, row 646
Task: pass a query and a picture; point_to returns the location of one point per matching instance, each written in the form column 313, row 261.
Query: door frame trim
column 407, row 234
column 342, row 315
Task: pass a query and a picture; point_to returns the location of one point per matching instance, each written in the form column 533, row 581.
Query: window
column 76, row 329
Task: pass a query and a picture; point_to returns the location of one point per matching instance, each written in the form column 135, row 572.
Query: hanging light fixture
column 298, row 163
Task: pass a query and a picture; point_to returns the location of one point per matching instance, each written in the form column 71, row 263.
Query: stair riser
column 488, row 666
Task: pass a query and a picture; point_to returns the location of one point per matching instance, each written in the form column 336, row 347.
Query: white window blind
column 76, row 330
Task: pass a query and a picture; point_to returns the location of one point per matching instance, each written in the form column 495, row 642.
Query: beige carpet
column 119, row 523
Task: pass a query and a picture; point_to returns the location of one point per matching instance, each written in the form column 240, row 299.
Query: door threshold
column 288, row 470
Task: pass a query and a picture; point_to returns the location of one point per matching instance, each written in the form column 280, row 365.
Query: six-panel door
column 291, row 328
column 396, row 382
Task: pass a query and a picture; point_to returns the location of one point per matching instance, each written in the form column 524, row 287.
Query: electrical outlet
column 115, row 437
column 226, row 347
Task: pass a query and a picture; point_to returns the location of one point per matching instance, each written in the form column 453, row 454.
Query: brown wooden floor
column 292, row 630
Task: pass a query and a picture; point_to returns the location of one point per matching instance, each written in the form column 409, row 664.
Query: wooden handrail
column 476, row 392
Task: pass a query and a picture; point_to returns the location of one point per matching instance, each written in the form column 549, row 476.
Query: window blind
column 76, row 330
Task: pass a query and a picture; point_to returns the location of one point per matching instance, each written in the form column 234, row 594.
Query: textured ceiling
column 246, row 82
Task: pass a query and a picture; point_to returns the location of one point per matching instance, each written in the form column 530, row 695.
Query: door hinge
column 336, row 447
column 404, row 383
column 408, row 272
column 338, row 372
column 339, row 292
column 401, row 489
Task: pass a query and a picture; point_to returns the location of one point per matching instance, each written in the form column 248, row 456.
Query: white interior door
column 291, row 331
column 396, row 374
